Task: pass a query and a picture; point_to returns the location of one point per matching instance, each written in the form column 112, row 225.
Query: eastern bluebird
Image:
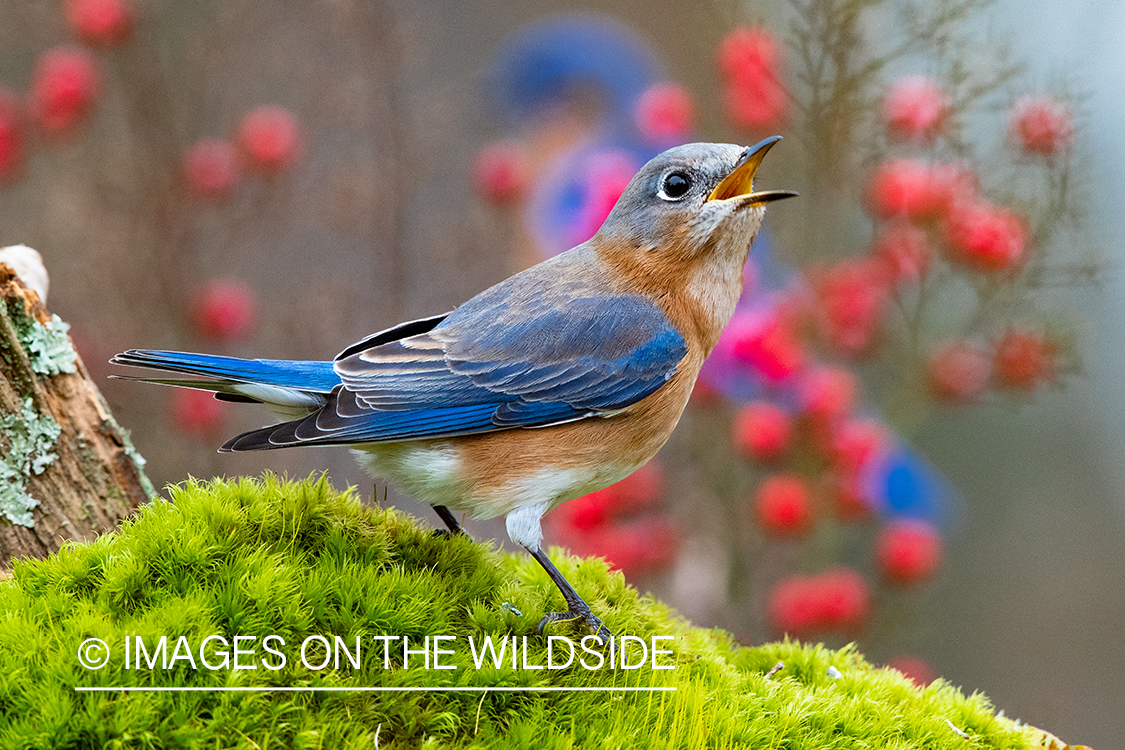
column 558, row 381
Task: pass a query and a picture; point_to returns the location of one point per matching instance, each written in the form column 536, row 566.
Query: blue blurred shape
column 905, row 485
column 551, row 61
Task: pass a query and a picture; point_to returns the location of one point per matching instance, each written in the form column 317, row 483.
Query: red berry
column 11, row 135
column 901, row 188
column 269, row 138
column 1042, row 126
column 908, row 551
column 103, row 22
column 755, row 106
column 958, row 371
column 63, row 88
column 986, row 237
column 501, row 173
column 750, row 63
column 197, row 412
column 641, row 488
column 782, row 505
column 856, row 443
column 769, row 344
column 211, row 168
column 1023, row 359
column 845, row 598
column 640, row 547
column 587, row 512
column 748, row 52
column 904, row 251
column 915, row 109
column 793, row 607
column 853, row 295
column 762, row 431
column 837, row 599
column 224, row 309
column 664, row 113
column 827, row 395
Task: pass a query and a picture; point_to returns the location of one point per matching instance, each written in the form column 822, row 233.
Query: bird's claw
column 600, row 631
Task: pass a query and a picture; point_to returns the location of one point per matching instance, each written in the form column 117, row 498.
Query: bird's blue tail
column 278, row 382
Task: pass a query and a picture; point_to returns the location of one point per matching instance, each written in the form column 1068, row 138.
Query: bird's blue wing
column 508, row 358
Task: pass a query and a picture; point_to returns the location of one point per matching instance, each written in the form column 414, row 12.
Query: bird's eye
column 675, row 186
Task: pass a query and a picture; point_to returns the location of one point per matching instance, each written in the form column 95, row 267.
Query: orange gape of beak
column 740, row 182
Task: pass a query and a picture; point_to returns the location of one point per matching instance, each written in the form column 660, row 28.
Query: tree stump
column 67, row 470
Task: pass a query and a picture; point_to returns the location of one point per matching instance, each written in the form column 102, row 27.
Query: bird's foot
column 453, row 526
column 600, row 631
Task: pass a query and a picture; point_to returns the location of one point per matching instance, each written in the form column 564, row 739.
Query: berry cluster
column 924, row 290
column 67, row 83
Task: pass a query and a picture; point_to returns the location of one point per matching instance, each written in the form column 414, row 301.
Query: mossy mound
column 297, row 559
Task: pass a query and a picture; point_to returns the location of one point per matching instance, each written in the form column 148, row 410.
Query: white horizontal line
column 409, row 689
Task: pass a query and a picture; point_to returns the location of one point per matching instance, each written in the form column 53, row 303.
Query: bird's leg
column 452, row 523
column 577, row 609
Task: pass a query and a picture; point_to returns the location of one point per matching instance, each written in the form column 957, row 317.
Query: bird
column 556, row 382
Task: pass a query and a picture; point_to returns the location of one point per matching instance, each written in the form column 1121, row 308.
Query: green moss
column 294, row 559
column 30, row 436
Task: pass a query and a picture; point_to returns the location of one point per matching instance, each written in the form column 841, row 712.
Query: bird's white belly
column 433, row 473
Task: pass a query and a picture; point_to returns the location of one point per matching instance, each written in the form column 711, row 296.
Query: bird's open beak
column 739, row 183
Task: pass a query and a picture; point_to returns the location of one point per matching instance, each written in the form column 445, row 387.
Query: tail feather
column 295, row 387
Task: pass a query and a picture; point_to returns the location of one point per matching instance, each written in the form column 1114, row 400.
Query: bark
column 67, row 470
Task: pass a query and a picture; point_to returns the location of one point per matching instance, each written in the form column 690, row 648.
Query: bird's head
column 693, row 199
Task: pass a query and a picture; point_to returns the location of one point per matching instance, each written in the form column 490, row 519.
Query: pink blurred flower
column 500, row 172
column 908, row 551
column 211, row 168
column 958, row 371
column 224, row 309
column 915, row 109
column 270, row 138
column 664, row 114
column 64, row 88
column 762, row 431
column 986, row 237
column 1042, row 126
column 782, row 505
column 100, row 22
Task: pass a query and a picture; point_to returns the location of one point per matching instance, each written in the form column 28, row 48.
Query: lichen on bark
column 31, row 436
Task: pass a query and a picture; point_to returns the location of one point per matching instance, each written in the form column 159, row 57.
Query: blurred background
column 911, row 435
